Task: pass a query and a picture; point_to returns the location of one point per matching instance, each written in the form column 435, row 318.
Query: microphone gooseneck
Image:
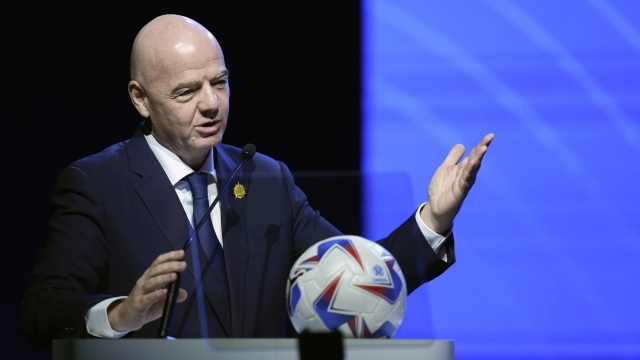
column 164, row 331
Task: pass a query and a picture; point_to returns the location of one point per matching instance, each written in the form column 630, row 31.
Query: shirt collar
column 173, row 166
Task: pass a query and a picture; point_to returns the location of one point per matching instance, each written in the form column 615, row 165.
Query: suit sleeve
column 417, row 259
column 70, row 268
column 309, row 226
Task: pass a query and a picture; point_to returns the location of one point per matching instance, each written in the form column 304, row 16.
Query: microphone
column 248, row 151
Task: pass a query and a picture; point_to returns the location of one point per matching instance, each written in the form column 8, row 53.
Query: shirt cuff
column 98, row 322
column 435, row 240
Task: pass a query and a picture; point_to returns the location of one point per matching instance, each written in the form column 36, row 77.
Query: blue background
column 548, row 242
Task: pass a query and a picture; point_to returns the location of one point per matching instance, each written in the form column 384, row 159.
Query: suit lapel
column 159, row 196
column 157, row 193
column 234, row 231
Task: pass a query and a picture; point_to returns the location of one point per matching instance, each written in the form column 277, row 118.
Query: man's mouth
column 209, row 128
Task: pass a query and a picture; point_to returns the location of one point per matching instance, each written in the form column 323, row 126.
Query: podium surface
column 241, row 349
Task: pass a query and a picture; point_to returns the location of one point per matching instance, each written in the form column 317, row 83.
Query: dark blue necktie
column 207, row 236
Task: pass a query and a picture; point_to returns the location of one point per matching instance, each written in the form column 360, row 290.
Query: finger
column 157, row 282
column 471, row 164
column 480, row 150
column 158, row 267
column 142, row 302
column 470, row 168
column 487, row 139
column 463, row 167
column 454, row 155
column 170, row 256
column 146, row 301
column 475, row 158
column 162, row 274
column 182, row 296
column 165, row 268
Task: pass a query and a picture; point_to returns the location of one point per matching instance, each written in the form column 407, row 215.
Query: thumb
column 182, row 295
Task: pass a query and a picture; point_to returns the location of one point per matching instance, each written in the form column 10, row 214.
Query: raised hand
column 146, row 300
column 450, row 185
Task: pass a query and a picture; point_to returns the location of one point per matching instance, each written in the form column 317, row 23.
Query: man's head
column 179, row 82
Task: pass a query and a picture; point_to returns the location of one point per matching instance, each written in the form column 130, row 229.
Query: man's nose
column 209, row 102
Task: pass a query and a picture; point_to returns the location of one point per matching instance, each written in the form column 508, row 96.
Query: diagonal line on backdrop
column 415, row 29
column 627, row 129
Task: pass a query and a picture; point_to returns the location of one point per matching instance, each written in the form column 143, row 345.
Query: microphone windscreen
column 248, row 151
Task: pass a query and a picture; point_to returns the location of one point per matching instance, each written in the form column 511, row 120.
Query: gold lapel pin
column 239, row 191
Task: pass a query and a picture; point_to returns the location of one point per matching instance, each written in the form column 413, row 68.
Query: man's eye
column 221, row 83
column 186, row 92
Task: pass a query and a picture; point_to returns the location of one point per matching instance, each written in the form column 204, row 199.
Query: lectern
column 242, row 349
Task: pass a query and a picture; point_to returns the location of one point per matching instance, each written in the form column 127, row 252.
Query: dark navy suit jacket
column 116, row 211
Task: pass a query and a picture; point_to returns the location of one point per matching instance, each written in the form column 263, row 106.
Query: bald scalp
column 159, row 44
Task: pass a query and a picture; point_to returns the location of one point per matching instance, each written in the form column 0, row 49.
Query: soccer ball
column 347, row 283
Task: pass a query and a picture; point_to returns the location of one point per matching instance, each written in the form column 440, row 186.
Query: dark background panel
column 295, row 81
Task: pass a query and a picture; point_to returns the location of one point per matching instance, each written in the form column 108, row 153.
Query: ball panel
column 347, row 283
column 352, row 299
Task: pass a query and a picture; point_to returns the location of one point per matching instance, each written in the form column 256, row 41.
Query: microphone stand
column 172, row 291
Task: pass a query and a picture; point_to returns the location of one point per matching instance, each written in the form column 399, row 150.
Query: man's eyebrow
column 185, row 85
column 190, row 84
column 222, row 74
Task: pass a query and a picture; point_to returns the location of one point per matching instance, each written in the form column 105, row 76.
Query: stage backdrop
column 548, row 242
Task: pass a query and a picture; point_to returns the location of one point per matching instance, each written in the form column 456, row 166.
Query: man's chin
column 208, row 142
column 199, row 145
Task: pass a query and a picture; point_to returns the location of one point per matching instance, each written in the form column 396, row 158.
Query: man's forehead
column 187, row 60
column 172, row 44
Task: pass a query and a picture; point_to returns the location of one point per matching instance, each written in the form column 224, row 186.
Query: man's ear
column 138, row 98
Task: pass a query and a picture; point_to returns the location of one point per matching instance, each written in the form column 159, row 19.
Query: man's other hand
column 146, row 301
column 450, row 185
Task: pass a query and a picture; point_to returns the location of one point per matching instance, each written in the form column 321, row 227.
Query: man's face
column 188, row 99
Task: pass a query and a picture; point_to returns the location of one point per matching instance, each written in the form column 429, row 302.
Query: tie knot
column 198, row 184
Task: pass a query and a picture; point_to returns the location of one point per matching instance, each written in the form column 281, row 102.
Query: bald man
column 121, row 216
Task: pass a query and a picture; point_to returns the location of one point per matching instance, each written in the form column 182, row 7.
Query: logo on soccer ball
column 341, row 284
column 377, row 270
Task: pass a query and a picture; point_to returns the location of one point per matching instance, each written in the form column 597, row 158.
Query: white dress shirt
column 96, row 317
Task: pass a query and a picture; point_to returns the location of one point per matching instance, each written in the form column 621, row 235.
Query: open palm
column 450, row 185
